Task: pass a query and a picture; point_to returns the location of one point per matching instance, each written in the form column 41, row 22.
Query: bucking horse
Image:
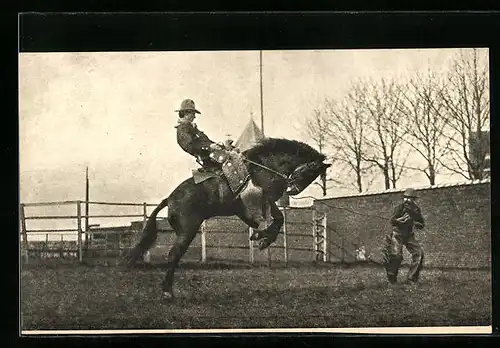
column 246, row 184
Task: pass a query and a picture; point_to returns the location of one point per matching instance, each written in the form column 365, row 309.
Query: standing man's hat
column 188, row 105
column 410, row 193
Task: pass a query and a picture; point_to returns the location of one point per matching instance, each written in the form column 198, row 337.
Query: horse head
column 295, row 160
column 304, row 175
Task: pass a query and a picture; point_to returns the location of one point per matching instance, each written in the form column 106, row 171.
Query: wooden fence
column 312, row 228
column 292, row 244
column 51, row 249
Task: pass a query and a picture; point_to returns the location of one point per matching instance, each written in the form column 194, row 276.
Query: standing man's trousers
column 393, row 255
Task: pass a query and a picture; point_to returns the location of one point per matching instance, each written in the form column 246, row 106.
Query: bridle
column 268, row 169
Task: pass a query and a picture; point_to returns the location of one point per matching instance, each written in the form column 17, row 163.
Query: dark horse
column 274, row 165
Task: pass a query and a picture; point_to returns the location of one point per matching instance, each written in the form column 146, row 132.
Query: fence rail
column 227, row 247
column 53, row 230
column 52, row 217
column 122, row 204
column 41, row 204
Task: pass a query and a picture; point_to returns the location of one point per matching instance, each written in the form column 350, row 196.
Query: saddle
column 233, row 169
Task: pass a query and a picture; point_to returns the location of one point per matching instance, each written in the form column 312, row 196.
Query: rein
column 266, row 168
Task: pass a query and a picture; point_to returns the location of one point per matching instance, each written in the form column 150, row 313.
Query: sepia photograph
column 321, row 190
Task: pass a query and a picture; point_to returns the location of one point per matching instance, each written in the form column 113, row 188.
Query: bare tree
column 423, row 108
column 347, row 123
column 467, row 103
column 317, row 130
column 385, row 146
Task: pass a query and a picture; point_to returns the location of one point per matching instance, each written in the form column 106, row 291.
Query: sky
column 114, row 111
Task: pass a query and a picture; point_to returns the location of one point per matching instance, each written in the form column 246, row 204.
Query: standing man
column 406, row 215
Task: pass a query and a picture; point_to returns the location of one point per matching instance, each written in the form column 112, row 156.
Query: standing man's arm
column 397, row 214
column 418, row 219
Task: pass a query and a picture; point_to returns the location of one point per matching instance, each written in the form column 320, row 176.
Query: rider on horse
column 192, row 140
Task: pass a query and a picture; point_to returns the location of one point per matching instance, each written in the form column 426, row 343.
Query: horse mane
column 292, row 147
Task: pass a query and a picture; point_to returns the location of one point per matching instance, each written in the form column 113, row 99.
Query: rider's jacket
column 192, row 140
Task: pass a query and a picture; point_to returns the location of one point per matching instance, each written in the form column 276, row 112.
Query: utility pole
column 87, row 199
column 261, row 96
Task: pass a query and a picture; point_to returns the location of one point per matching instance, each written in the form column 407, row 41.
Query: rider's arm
column 204, row 141
column 197, row 142
column 187, row 140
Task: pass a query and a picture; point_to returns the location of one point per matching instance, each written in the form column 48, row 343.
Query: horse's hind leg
column 186, row 229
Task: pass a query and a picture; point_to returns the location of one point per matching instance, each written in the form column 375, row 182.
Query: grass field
column 79, row 297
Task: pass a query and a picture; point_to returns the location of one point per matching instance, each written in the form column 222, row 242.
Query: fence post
column 284, row 236
column 314, row 234
column 79, row 223
column 325, row 239
column 46, row 245
column 147, row 256
column 203, row 243
column 250, row 245
column 61, row 250
column 144, row 214
column 24, row 234
column 269, row 254
column 87, row 224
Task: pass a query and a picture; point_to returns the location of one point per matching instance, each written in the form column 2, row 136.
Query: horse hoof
column 168, row 296
column 255, row 236
column 264, row 243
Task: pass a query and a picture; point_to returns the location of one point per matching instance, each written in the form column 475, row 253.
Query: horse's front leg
column 270, row 234
column 264, row 233
column 254, row 217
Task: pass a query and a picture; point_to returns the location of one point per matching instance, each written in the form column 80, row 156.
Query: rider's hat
column 409, row 192
column 188, row 105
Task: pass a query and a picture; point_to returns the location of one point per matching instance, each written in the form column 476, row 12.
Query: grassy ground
column 78, row 297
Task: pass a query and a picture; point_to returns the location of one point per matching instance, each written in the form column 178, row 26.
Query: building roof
column 250, row 135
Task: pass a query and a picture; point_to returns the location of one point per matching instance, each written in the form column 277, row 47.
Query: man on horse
column 218, row 158
column 191, row 139
column 213, row 157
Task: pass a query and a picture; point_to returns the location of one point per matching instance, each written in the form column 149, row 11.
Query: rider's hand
column 215, row 146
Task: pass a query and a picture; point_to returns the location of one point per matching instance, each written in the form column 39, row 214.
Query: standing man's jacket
column 415, row 217
column 192, row 140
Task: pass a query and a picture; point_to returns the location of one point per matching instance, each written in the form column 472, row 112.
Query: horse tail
column 150, row 231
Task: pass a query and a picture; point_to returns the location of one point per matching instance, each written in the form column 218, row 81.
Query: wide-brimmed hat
column 188, row 105
column 409, row 192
